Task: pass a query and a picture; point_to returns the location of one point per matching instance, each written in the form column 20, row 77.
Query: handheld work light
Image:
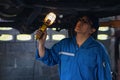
column 49, row 19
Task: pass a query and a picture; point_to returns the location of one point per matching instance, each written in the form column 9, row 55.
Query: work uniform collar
column 86, row 42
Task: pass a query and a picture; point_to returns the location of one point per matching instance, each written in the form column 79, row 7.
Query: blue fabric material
column 90, row 61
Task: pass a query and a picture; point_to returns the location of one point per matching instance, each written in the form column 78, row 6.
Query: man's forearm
column 41, row 50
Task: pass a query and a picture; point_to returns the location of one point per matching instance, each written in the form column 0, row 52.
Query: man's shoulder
column 66, row 39
column 97, row 44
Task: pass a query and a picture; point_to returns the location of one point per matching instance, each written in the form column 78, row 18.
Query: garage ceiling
column 27, row 15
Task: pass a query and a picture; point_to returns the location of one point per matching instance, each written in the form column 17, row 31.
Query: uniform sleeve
column 51, row 56
column 104, row 69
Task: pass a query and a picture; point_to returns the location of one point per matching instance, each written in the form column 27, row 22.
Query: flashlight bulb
column 49, row 19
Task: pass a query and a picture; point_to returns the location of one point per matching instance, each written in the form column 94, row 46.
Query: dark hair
column 95, row 24
column 94, row 20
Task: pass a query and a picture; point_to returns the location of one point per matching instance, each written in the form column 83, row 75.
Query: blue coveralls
column 90, row 61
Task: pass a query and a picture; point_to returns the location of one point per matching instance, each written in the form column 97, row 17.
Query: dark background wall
column 17, row 59
column 17, row 62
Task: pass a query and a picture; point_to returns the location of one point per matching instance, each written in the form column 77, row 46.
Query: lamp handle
column 41, row 32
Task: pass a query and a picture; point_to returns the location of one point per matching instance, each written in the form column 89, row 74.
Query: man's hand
column 41, row 42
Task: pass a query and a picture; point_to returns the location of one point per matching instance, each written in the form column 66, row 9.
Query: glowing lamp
column 49, row 19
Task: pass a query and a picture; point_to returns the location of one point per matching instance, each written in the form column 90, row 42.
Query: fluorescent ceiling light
column 23, row 37
column 102, row 37
column 103, row 28
column 58, row 36
column 6, row 37
column 6, row 28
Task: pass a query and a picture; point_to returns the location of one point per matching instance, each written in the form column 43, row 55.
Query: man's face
column 83, row 26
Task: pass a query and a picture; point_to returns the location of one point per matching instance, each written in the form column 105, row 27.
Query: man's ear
column 93, row 30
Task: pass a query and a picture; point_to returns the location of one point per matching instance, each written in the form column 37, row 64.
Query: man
column 80, row 57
